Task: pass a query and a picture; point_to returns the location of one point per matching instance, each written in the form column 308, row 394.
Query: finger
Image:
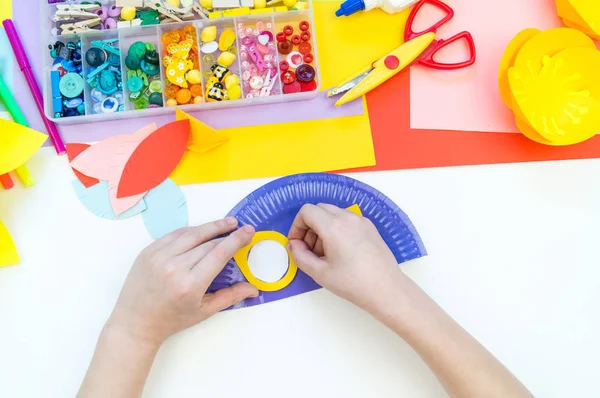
column 167, row 239
column 305, row 259
column 331, row 208
column 310, row 217
column 214, row 261
column 310, row 239
column 192, row 257
column 195, row 236
column 318, row 249
column 225, row 298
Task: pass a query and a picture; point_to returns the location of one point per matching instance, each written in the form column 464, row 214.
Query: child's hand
column 344, row 253
column 165, row 291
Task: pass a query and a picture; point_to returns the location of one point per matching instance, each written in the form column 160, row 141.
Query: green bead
column 133, row 62
column 150, row 47
column 156, row 99
column 142, row 103
column 138, row 49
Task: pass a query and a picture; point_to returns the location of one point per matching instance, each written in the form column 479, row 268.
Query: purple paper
column 274, row 206
column 26, row 16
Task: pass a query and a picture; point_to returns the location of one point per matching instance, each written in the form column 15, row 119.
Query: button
column 305, row 73
column 210, row 47
column 151, row 57
column 308, row 58
column 304, row 48
column 281, row 37
column 308, row 86
column 95, row 57
column 305, row 36
column 285, row 47
column 97, row 95
column 256, row 82
column 108, row 82
column 288, row 30
column 71, row 85
column 296, row 39
column 131, row 61
column 294, row 59
column 150, row 69
column 155, row 86
column 114, row 60
column 156, row 99
column 283, row 66
column 135, row 84
column 288, row 77
column 138, row 49
column 109, row 105
column 304, row 26
column 73, row 102
column 291, row 88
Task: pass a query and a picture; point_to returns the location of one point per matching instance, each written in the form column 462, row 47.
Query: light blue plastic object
column 97, row 200
column 166, row 209
column 349, row 7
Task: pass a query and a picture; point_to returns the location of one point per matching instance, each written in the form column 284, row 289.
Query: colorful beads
column 143, row 79
column 297, row 75
column 182, row 66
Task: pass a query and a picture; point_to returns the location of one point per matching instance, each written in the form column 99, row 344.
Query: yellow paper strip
column 8, row 250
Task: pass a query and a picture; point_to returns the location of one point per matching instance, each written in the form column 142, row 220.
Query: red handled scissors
column 418, row 47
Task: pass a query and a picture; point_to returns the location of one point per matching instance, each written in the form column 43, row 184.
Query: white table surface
column 513, row 256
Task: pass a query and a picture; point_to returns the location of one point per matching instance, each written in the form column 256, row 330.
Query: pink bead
column 271, row 45
column 268, row 58
column 248, row 31
column 245, row 65
column 268, row 64
column 240, row 25
column 260, row 26
column 243, row 56
column 241, row 33
column 256, row 32
column 255, row 93
column 247, row 41
column 246, row 75
column 269, row 25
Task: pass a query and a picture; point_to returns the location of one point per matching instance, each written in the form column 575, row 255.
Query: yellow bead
column 226, row 39
column 173, row 3
column 128, row 13
column 232, row 80
column 194, row 76
column 301, row 5
column 226, row 59
column 206, row 4
column 209, row 34
column 198, row 100
column 234, row 92
column 289, row 3
column 171, row 102
column 260, row 3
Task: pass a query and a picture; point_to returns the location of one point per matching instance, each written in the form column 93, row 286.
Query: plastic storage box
column 124, row 37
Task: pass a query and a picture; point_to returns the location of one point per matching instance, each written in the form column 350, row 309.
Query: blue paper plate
column 274, row 206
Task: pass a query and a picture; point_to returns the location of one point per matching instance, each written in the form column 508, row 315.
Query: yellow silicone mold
column 583, row 15
column 561, row 100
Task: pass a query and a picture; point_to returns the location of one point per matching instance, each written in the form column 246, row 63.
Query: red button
column 288, row 30
column 305, row 36
column 391, row 62
column 285, row 47
column 296, row 39
column 281, row 37
column 288, row 77
column 283, row 65
column 308, row 86
column 304, row 26
column 308, row 58
column 291, row 88
column 304, row 48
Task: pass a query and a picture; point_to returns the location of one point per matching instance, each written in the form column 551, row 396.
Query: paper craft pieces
column 154, row 159
column 274, row 206
column 17, row 144
column 8, row 250
column 97, row 200
column 554, row 86
column 583, row 15
column 73, row 150
column 203, row 138
column 166, row 209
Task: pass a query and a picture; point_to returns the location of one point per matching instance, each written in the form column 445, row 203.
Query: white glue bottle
column 349, row 7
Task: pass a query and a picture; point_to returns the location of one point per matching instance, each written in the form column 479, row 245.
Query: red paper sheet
column 397, row 146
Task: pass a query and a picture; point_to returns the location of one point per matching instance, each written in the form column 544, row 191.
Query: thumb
column 225, row 298
column 304, row 258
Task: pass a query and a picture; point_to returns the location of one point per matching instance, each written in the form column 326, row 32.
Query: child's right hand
column 344, row 253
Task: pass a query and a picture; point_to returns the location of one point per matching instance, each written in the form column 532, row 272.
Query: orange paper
column 73, row 150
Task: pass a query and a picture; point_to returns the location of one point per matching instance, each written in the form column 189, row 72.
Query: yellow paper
column 281, row 149
column 5, row 9
column 17, row 144
column 313, row 145
column 203, row 138
column 8, row 251
column 348, row 44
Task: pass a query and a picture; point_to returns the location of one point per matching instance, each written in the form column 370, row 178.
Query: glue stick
column 349, row 7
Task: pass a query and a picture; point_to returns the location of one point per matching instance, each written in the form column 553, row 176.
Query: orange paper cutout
column 73, row 150
column 154, row 159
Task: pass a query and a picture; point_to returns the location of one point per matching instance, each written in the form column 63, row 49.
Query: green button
column 71, row 85
column 135, row 84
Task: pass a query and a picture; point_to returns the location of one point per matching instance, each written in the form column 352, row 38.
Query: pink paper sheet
column 468, row 99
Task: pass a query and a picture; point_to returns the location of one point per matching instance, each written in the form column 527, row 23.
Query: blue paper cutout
column 97, row 200
column 166, row 209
